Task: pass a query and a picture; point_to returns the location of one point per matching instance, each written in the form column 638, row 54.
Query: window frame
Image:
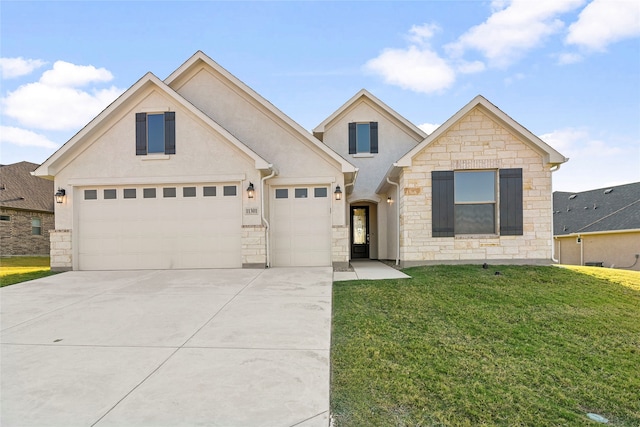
column 353, row 139
column 459, row 204
column 36, row 230
column 142, row 133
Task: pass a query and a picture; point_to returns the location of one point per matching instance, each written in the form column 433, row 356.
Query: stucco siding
column 476, row 142
column 615, row 250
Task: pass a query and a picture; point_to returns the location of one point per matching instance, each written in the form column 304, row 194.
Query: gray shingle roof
column 605, row 209
column 20, row 190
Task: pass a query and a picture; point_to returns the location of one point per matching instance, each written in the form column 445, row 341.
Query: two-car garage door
column 159, row 227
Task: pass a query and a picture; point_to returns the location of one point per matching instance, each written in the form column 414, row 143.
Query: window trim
column 353, row 139
column 38, row 227
column 142, row 133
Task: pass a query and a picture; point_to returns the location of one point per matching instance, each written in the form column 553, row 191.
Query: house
column 200, row 171
column 598, row 227
column 26, row 211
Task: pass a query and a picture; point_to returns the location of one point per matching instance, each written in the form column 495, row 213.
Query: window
column 209, row 191
column 320, row 192
column 109, row 194
column 301, row 193
column 36, row 226
column 155, row 133
column 475, row 202
column 229, row 190
column 129, row 193
column 90, row 194
column 466, row 202
column 148, row 193
column 169, row 192
column 282, row 193
column 363, row 138
column 188, row 191
column 5, row 218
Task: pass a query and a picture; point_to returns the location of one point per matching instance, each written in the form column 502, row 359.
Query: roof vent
column 608, row 190
column 573, row 196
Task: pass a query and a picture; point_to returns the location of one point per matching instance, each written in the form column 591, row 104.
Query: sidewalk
column 368, row 270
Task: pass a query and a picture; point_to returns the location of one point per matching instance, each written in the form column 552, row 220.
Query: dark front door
column 359, row 232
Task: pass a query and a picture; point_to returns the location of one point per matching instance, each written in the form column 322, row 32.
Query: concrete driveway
column 167, row 348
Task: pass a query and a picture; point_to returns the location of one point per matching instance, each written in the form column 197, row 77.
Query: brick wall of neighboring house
column 16, row 236
column 475, row 142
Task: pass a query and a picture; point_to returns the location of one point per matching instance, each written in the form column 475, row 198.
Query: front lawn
column 461, row 346
column 20, row 269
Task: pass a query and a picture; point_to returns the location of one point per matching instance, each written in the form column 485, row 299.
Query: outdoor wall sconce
column 389, row 200
column 60, row 195
column 338, row 193
column 250, row 190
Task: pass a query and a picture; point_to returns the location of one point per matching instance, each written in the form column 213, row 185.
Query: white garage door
column 301, row 226
column 159, row 227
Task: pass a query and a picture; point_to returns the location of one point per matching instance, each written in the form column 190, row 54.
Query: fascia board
column 200, row 56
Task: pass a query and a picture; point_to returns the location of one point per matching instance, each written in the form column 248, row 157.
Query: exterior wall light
column 60, row 195
column 389, row 200
column 338, row 193
column 250, row 190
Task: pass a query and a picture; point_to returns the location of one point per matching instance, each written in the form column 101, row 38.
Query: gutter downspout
column 264, row 218
column 397, row 219
column 581, row 249
column 553, row 243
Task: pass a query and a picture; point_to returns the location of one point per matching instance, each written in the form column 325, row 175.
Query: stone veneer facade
column 476, row 142
column 61, row 250
column 340, row 246
column 253, row 246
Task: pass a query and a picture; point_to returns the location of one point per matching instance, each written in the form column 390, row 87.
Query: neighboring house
column 200, row 171
column 26, row 211
column 598, row 227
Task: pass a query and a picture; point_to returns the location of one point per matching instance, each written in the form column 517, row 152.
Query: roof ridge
column 607, row 216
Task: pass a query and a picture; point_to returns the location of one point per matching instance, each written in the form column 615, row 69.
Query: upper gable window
column 363, row 138
column 155, row 133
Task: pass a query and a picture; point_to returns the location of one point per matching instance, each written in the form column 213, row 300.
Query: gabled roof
column 601, row 210
column 76, row 144
column 362, row 96
column 21, row 190
column 200, row 58
column 552, row 157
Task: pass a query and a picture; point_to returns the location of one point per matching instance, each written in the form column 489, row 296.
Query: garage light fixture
column 338, row 193
column 60, row 195
column 389, row 200
column 250, row 190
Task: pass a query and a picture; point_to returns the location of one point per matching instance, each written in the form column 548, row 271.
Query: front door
column 359, row 232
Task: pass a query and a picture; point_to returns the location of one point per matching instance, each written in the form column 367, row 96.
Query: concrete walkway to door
column 368, row 269
column 167, row 348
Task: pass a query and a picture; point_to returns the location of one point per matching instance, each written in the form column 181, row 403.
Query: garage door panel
column 159, row 233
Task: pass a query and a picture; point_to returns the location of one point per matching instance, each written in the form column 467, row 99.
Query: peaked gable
column 551, row 156
column 19, row 189
column 365, row 96
column 77, row 143
column 182, row 75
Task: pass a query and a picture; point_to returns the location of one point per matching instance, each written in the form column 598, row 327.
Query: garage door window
column 169, row 192
column 320, row 192
column 282, row 193
column 109, row 194
column 189, row 192
column 90, row 194
column 301, row 193
column 209, row 191
column 149, row 193
column 129, row 193
column 230, row 190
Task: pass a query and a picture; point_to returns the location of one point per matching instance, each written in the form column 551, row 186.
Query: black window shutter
column 373, row 129
column 352, row 138
column 442, row 204
column 170, row 132
column 511, row 202
column 141, row 134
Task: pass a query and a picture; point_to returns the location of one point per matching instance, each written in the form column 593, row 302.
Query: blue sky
column 568, row 70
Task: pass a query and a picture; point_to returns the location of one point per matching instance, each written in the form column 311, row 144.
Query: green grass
column 20, row 269
column 460, row 346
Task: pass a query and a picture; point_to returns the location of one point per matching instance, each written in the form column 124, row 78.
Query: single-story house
column 200, row 171
column 598, row 227
column 26, row 210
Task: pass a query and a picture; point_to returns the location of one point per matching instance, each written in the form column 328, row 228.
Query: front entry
column 359, row 232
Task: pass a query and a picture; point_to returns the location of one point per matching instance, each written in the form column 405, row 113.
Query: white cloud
column 593, row 163
column 420, row 70
column 429, row 127
column 569, row 58
column 514, row 28
column 24, row 138
column 422, row 34
column 510, row 80
column 470, row 67
column 55, row 103
column 16, row 67
column 604, row 22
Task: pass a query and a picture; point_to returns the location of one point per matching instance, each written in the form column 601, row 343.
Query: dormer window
column 363, row 138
